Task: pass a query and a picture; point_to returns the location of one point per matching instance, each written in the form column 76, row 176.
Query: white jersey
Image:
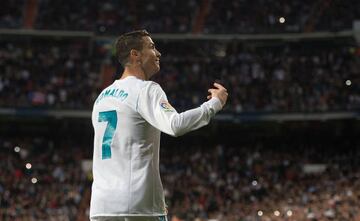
column 128, row 117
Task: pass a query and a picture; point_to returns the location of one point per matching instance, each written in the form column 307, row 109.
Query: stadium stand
column 286, row 78
column 114, row 17
column 241, row 182
column 11, row 14
column 249, row 170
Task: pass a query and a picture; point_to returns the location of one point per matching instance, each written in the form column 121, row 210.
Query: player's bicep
column 154, row 107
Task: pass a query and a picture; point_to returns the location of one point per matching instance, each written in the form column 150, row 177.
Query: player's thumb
column 212, row 91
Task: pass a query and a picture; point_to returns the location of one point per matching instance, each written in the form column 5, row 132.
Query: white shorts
column 131, row 218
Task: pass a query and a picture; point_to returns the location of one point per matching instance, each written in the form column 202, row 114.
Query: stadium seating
column 250, row 174
column 195, row 16
column 245, row 182
column 288, row 78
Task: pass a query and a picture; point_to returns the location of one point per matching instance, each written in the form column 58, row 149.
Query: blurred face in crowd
column 149, row 58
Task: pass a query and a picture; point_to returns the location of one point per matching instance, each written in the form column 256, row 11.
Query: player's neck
column 134, row 71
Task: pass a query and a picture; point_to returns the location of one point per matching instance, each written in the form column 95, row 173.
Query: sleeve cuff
column 215, row 104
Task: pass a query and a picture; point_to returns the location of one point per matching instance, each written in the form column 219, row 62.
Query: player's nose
column 158, row 54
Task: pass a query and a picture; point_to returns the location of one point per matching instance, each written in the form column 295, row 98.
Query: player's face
column 150, row 57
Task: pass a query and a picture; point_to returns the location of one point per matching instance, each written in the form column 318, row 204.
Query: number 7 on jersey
column 111, row 118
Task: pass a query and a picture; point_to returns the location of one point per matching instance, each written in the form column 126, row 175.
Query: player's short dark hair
column 128, row 41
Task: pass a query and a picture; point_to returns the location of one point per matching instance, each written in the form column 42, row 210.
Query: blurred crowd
column 266, row 16
column 11, row 14
column 191, row 16
column 258, row 183
column 42, row 179
column 294, row 77
column 113, row 17
column 53, row 75
column 290, row 77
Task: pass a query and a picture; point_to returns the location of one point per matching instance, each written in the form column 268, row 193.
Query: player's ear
column 134, row 53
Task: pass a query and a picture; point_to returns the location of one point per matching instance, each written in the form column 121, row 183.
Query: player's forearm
column 195, row 118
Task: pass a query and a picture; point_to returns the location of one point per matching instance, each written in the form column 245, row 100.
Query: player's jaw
column 157, row 60
column 157, row 63
column 151, row 66
column 156, row 66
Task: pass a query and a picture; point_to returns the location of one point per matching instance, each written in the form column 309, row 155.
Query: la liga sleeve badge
column 165, row 106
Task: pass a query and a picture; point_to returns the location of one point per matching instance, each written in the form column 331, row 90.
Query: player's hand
column 220, row 92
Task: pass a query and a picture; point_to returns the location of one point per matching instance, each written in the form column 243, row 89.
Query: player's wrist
column 215, row 103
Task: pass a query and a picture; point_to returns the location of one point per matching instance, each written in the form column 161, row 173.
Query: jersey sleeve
column 154, row 107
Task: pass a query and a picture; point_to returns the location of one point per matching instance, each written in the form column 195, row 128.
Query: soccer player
column 128, row 117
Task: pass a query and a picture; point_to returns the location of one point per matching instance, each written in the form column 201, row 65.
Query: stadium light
column 28, row 166
column 348, row 82
column 276, row 213
column 289, row 213
column 282, row 20
column 34, row 180
column 260, row 213
column 17, row 149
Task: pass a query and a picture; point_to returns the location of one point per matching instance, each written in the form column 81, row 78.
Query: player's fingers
column 212, row 90
column 219, row 86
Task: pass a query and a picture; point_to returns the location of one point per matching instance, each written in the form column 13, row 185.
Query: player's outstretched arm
column 154, row 108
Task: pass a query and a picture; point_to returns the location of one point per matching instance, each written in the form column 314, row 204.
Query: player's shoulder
column 139, row 87
column 134, row 83
column 152, row 88
column 152, row 84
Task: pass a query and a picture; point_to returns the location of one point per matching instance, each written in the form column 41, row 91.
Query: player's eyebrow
column 152, row 44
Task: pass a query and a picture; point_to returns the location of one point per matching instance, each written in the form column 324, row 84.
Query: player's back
column 126, row 154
